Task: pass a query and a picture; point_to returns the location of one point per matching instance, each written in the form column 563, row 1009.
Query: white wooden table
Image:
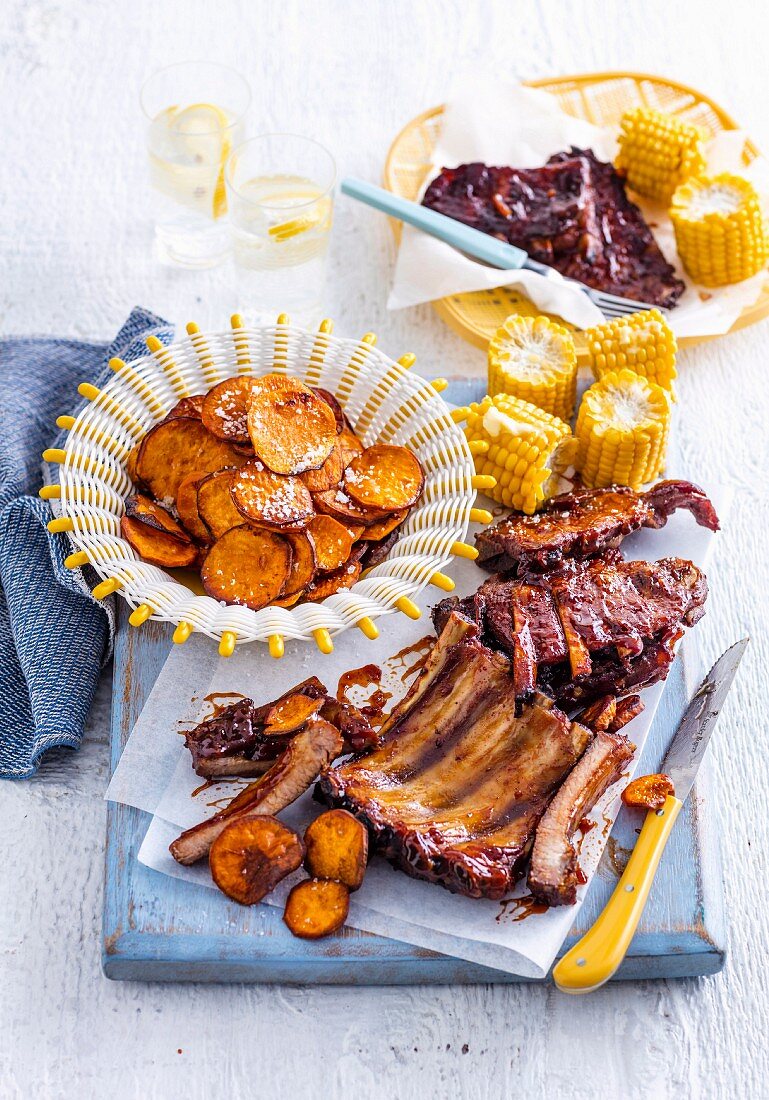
column 75, row 249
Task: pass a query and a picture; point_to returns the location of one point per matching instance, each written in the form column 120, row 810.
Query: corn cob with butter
column 720, row 229
column 657, row 152
column 643, row 342
column 534, row 359
column 622, row 430
column 528, row 451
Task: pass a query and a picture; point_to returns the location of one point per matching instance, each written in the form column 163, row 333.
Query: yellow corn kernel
column 644, row 342
column 720, row 229
column 657, row 152
column 530, row 451
column 622, row 430
column 535, row 359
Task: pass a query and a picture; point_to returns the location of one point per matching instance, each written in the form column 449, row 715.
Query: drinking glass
column 195, row 116
column 280, row 194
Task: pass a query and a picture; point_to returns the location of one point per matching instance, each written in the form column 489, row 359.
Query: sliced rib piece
column 586, row 522
column 610, row 714
column 591, row 627
column 292, row 774
column 456, row 788
column 553, row 869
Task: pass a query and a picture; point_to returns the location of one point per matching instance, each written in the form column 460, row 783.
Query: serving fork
column 474, row 243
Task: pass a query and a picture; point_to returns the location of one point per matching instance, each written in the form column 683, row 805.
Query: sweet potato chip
column 337, row 503
column 648, row 792
column 156, row 546
column 337, row 848
column 271, row 499
column 332, row 542
column 376, row 552
column 247, row 566
column 330, row 583
column 178, row 447
column 288, row 601
column 383, row 527
column 188, row 406
column 349, row 445
column 328, row 476
column 187, row 506
column 130, row 463
column 152, row 514
column 251, row 856
column 302, row 564
column 290, row 714
column 333, row 404
column 316, row 908
column 225, row 409
column 215, row 504
column 291, row 428
column 384, row 477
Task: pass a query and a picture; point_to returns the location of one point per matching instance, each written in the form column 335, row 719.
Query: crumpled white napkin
column 524, row 128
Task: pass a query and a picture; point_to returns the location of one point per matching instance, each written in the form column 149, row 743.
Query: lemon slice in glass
column 203, row 130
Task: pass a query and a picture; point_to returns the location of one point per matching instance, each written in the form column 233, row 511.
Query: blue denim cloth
column 54, row 637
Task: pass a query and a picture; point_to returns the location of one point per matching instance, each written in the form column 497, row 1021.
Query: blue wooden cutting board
column 158, row 928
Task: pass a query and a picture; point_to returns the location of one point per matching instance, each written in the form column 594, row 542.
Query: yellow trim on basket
column 368, row 627
column 277, row 648
column 408, row 607
column 323, row 640
column 140, row 615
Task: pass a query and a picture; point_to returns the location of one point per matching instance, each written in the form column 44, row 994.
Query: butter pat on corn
column 643, row 342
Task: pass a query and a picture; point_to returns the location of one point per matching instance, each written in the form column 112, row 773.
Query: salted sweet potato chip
column 302, row 564
column 328, row 476
column 327, row 584
column 384, row 477
column 337, row 848
column 157, row 546
column 152, row 514
column 332, row 542
column 290, row 714
column 292, row 428
column 250, row 857
column 337, row 503
column 288, row 601
column 349, row 445
column 384, row 527
column 648, row 792
column 188, row 406
column 316, row 908
column 225, row 409
column 273, row 500
column 333, row 404
column 130, row 463
column 178, row 447
column 187, row 506
column 215, row 504
column 247, row 566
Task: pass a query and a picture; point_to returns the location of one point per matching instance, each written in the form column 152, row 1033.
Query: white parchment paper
column 155, row 775
column 526, row 127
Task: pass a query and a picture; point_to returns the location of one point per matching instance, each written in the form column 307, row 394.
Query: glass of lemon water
column 280, row 191
column 195, row 115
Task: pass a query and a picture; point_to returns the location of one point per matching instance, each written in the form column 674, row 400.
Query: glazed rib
column 553, row 868
column 456, row 788
column 585, row 522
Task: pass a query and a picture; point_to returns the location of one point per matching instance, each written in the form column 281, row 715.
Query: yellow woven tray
column 601, row 98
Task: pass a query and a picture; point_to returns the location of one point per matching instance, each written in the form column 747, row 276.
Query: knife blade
column 594, row 959
column 690, row 741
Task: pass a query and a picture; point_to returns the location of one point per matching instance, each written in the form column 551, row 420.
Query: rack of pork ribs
column 573, row 214
column 512, row 732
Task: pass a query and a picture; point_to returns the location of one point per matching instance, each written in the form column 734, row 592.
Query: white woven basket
column 385, row 403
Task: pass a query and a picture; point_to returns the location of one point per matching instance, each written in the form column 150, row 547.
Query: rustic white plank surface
column 75, row 251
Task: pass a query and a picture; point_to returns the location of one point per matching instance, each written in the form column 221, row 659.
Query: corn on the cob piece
column 720, row 229
column 657, row 152
column 643, row 342
column 622, row 430
column 535, row 359
column 527, row 450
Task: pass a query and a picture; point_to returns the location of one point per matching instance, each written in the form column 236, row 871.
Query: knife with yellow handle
column 593, row 960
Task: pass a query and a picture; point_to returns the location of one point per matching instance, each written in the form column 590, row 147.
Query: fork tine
column 614, row 306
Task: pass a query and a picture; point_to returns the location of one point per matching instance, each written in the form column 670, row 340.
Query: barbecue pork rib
column 590, row 628
column 458, row 784
column 585, row 522
column 573, row 214
column 553, row 869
